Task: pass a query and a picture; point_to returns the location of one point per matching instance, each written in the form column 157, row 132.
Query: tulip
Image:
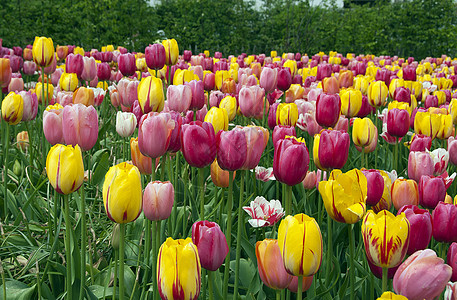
column 12, row 108
column 268, row 79
column 323, row 70
column 300, row 244
column 198, row 142
column 122, row 195
column 351, row 102
column 420, row 222
column 397, row 122
column 419, row 164
column 150, row 94
column 64, row 168
column 445, row 129
column 84, row 96
column 218, row 118
column 427, row 123
column 178, row 270
column 28, row 53
column 452, row 150
column 43, row 51
column 422, row 276
column 231, row 149
column 440, row 159
column 345, row 79
column 328, row 109
column 158, row 200
column 452, row 260
column 405, row 192
column 344, row 195
column 331, row 149
column 252, row 101
column 30, row 105
column 420, row 142
column 143, row 163
column 256, row 139
column 5, row 72
column 364, row 132
column 444, row 223
column 103, row 71
column 52, row 124
column 29, row 68
column 125, row 123
column 306, row 283
column 127, row 64
column 175, row 139
column 366, row 108
column 68, row 82
column 74, row 63
column 220, row 177
column 330, row 85
column 229, row 104
column 280, row 132
column 291, row 160
column 90, row 69
column 313, row 178
column 264, row 213
column 61, row 52
column 179, row 97
column 386, row 238
column 171, row 51
column 211, row 244
column 209, row 81
column 198, row 94
column 128, row 91
column 375, row 186
column 154, row 134
column 270, row 265
column 377, row 93
column 286, row 114
column 155, row 56
column 284, row 79
column 402, row 94
column 80, row 126
column 22, row 140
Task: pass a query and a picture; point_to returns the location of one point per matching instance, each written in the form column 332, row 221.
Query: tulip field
column 167, row 174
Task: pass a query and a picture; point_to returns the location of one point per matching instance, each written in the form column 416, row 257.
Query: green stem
column 155, row 240
column 351, row 257
column 288, row 199
column 5, row 175
column 228, row 235
column 184, row 207
column 203, row 277
column 147, row 254
column 116, row 260
column 29, row 132
column 201, row 183
column 299, row 288
column 238, row 234
column 329, row 248
column 68, row 245
column 395, row 157
column 384, row 279
column 175, row 185
column 83, row 244
column 3, row 280
column 278, row 294
column 210, row 284
column 121, row 260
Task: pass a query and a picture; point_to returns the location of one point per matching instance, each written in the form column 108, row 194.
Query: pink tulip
column 420, row 163
column 175, row 140
column 198, row 143
column 30, row 105
column 323, row 71
column 179, row 97
column 74, row 63
column 154, row 134
column 127, row 64
column 80, row 125
column 56, row 76
column 215, row 98
column 313, row 178
column 422, row 276
column 280, row 132
column 158, row 200
column 452, row 260
column 211, row 244
column 209, row 81
column 251, row 101
column 89, row 70
column 333, row 149
column 64, row 98
column 452, row 150
column 420, row 230
column 155, row 56
column 198, row 94
column 103, row 71
column 29, row 67
column 256, row 140
column 16, row 85
column 268, row 78
column 444, row 223
column 52, row 125
column 128, row 91
column 420, row 142
column 99, row 96
column 231, row 149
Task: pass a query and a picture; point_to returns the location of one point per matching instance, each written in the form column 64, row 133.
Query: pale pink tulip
column 80, row 125
column 154, row 133
column 158, row 200
column 179, row 97
column 251, row 101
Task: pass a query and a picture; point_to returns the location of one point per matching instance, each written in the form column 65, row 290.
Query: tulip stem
column 67, row 244
column 5, row 175
column 29, row 132
column 288, row 199
column 300, row 288
column 121, row 260
column 210, row 284
column 228, row 235
column 147, row 255
column 351, row 258
column 329, row 248
column 201, row 183
column 278, row 294
column 384, row 279
column 238, row 235
column 83, row 244
column 155, row 239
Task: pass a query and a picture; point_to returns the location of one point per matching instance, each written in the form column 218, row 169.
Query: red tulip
column 198, row 143
column 444, row 223
column 158, row 198
column 420, row 222
column 291, row 161
column 154, row 134
column 155, row 56
column 198, row 94
column 80, row 125
column 103, row 71
column 331, row 149
column 323, row 71
column 375, row 186
column 126, row 63
column 397, row 122
column 211, row 244
column 284, row 79
column 328, row 109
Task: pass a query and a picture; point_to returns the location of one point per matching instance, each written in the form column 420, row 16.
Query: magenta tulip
column 431, row 101
column 198, row 94
column 154, row 134
column 291, row 161
column 209, row 81
column 231, row 149
column 158, row 198
column 452, row 149
column 375, row 186
column 323, row 71
column 328, row 109
column 281, row 131
column 366, row 108
column 74, row 63
column 155, row 56
column 333, row 149
column 420, row 230
column 444, row 222
column 179, row 97
column 103, row 71
column 452, row 260
column 198, row 143
column 409, row 73
column 211, row 244
column 127, row 64
column 175, row 140
column 431, row 191
column 80, row 126
column 284, row 79
column 397, row 122
column 384, row 75
column 421, row 142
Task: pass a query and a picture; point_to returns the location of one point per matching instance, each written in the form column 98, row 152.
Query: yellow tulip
column 394, row 84
column 363, row 132
column 287, row 114
column 102, row 85
column 377, row 93
column 150, row 94
column 68, row 82
column 445, row 129
column 220, row 77
column 206, row 52
column 182, row 76
column 386, row 199
column 234, row 74
column 48, row 87
column 361, row 83
column 427, row 123
column 452, row 110
column 12, row 108
column 445, row 83
column 386, row 238
column 229, row 104
column 292, row 65
column 43, row 51
column 122, row 193
column 392, row 296
column 171, row 51
column 78, row 50
column 344, row 195
column 300, row 243
column 178, row 270
column 351, row 102
column 273, row 53
column 65, row 168
column 218, row 117
column 441, row 97
column 399, row 105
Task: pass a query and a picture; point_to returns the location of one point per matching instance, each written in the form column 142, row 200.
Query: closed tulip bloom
column 155, row 56
column 52, row 124
column 209, row 81
column 16, row 85
column 13, row 108
column 68, row 82
column 404, row 192
column 5, row 72
column 280, row 132
column 402, row 94
column 125, row 123
column 420, row 142
column 291, row 160
column 211, row 244
column 29, row 68
column 80, row 126
column 142, row 162
column 128, row 91
column 158, row 200
column 386, row 238
column 445, row 129
column 84, row 96
column 452, row 260
column 218, row 118
column 330, row 85
column 198, row 94
column 427, row 123
column 103, row 71
column 27, row 53
column 150, row 94
column 30, row 105
column 229, row 103
column 375, row 184
column 452, row 150
column 171, row 51
column 268, row 78
column 344, row 195
column 419, row 164
column 323, row 71
column 284, row 79
column 43, row 51
column 251, row 101
column 345, row 79
column 287, row 114
column 198, row 142
column 409, row 73
column 361, row 83
column 256, row 141
column 127, row 65
column 122, row 193
column 444, row 223
column 65, row 169
column 175, row 139
column 366, row 108
column 377, row 93
column 49, row 92
column 422, row 276
column 300, row 244
column 363, row 132
column 397, row 122
column 179, row 97
column 351, row 102
column 178, row 270
column 328, row 109
column 61, row 52
column 231, row 149
column 420, row 222
column 74, row 63
column 154, row 134
column 440, row 159
column 220, row 177
column 90, row 69
column 331, row 149
column 270, row 265
column 229, row 86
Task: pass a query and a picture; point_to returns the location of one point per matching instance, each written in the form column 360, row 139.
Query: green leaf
column 17, row 290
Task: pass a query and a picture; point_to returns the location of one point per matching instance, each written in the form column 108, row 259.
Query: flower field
column 167, row 174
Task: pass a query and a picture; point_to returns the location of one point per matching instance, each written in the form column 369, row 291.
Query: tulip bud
column 201, row 154
column 375, row 184
column 420, row 222
column 155, row 56
column 211, row 244
column 13, row 108
column 158, row 200
column 43, row 51
column 125, row 123
column 397, row 122
column 331, row 149
column 328, row 109
column 290, row 152
column 444, row 223
column 171, row 51
column 284, row 79
column 405, row 192
column 127, row 64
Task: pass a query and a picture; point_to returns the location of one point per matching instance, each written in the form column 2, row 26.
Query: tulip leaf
column 247, row 270
column 100, row 163
column 18, row 290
